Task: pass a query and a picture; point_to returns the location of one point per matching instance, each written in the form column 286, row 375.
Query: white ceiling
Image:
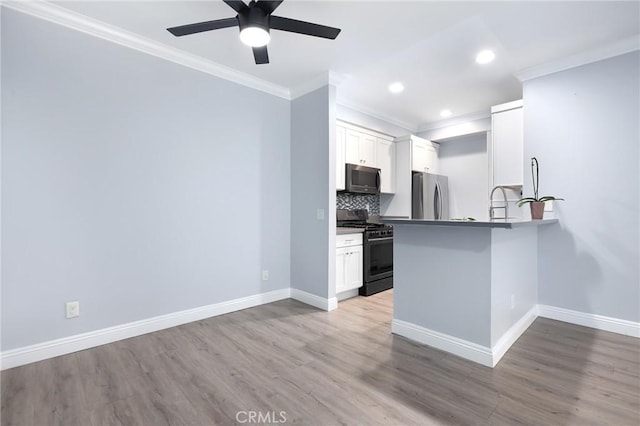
column 428, row 45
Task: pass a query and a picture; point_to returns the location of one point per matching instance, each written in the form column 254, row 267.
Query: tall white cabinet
column 507, row 144
column 341, row 136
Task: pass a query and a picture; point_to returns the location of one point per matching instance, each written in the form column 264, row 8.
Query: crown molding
column 67, row 18
column 324, row 79
column 376, row 114
column 476, row 116
column 619, row 47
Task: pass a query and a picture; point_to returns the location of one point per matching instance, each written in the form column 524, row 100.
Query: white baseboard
column 509, row 338
column 491, row 356
column 463, row 348
column 78, row 342
column 600, row 322
column 313, row 300
column 347, row 294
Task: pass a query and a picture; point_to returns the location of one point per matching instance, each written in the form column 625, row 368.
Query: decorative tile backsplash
column 345, row 200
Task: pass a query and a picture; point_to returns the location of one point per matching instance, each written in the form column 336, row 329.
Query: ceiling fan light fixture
column 255, row 36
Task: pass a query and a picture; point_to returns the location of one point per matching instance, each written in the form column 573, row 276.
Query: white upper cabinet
column 386, row 157
column 341, row 134
column 361, row 148
column 507, row 142
column 424, row 155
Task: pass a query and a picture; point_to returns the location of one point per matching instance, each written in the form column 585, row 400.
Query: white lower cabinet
column 348, row 262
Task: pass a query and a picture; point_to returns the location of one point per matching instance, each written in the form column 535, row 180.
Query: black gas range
column 377, row 245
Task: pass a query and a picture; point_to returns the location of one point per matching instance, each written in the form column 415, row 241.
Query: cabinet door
column 368, row 150
column 341, row 134
column 341, row 260
column 507, row 147
column 431, row 159
column 352, row 143
column 385, row 158
column 353, row 268
column 419, row 156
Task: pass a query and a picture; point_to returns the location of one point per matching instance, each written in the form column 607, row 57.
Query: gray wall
column 442, row 279
column 514, row 273
column 311, row 188
column 582, row 125
column 134, row 185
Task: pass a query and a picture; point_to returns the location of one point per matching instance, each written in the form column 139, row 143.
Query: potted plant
column 537, row 204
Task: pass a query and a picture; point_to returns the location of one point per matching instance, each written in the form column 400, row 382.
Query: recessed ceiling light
column 396, row 87
column 445, row 113
column 485, row 56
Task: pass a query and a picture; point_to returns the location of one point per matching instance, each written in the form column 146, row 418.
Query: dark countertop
column 496, row 223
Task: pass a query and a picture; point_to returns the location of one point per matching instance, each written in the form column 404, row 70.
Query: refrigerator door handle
column 440, row 201
column 436, row 202
column 422, row 186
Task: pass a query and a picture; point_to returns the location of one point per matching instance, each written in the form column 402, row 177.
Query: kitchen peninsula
column 466, row 287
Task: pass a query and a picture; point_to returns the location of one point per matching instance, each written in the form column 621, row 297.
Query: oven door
column 378, row 259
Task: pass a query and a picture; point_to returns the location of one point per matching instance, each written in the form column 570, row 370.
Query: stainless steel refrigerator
column 429, row 196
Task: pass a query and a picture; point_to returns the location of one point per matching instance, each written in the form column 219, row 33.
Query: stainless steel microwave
column 362, row 180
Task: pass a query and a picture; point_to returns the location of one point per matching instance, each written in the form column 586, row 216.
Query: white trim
column 67, row 18
column 313, row 300
column 600, row 322
column 66, row 345
column 365, row 130
column 465, row 349
column 322, row 80
column 347, row 294
column 509, row 338
column 507, row 106
column 376, row 114
column 604, row 52
column 449, row 122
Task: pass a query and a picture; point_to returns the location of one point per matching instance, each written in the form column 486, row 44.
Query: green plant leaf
column 550, row 198
column 523, row 201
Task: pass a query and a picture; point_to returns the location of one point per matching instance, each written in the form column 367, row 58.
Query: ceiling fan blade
column 261, row 55
column 236, row 5
column 203, row 26
column 302, row 27
column 268, row 6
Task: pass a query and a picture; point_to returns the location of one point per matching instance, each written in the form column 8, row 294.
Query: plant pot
column 537, row 210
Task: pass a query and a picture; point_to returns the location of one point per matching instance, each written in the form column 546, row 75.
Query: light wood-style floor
column 328, row 368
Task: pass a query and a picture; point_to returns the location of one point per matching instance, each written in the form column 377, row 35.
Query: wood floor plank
column 325, row 368
column 59, row 394
column 18, row 395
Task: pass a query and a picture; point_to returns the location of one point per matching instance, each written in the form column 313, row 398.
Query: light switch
column 320, row 214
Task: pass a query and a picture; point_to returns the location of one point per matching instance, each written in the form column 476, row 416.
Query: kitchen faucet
column 492, row 207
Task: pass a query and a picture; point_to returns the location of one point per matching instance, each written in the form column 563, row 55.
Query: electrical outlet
column 265, row 275
column 513, row 301
column 320, row 214
column 73, row 309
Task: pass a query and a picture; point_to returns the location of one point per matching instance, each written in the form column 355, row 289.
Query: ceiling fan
column 255, row 22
